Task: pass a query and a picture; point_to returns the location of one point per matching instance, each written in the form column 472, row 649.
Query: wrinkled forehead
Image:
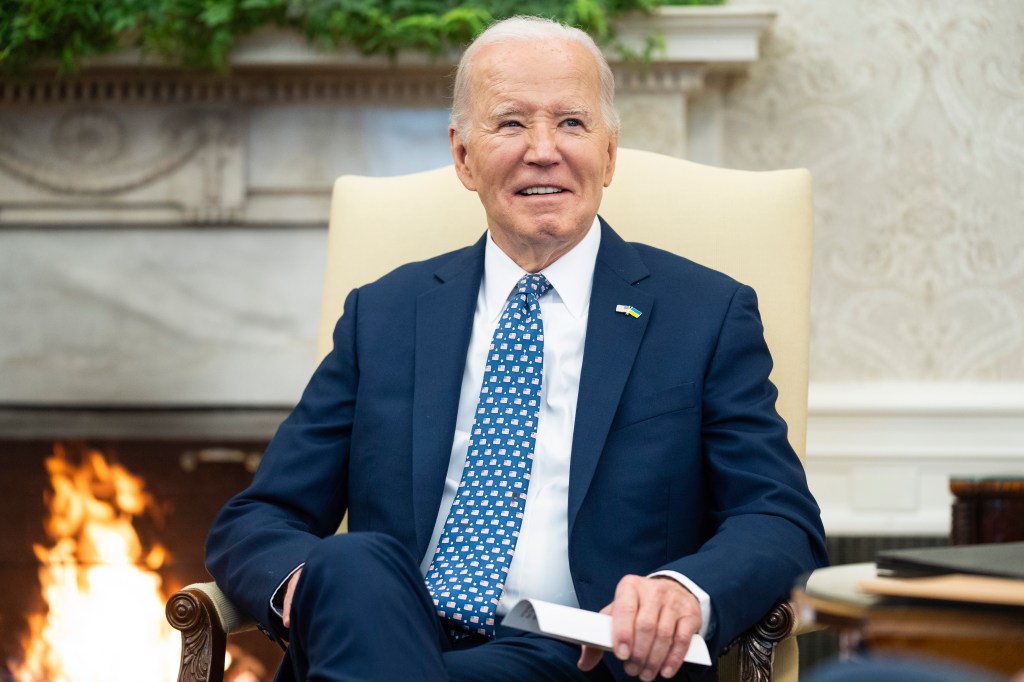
column 521, row 73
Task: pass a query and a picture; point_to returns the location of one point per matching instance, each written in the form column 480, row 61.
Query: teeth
column 541, row 190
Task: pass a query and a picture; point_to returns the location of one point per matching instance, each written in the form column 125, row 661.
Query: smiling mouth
column 529, row 191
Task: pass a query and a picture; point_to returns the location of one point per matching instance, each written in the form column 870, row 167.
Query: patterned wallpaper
column 910, row 115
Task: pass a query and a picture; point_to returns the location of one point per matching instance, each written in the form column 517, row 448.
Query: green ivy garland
column 202, row 33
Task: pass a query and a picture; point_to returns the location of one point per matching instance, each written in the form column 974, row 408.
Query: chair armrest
column 757, row 646
column 753, row 656
column 205, row 617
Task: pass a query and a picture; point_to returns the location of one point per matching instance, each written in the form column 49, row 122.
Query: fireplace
column 187, row 475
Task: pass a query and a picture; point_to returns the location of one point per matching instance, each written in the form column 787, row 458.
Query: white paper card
column 580, row 627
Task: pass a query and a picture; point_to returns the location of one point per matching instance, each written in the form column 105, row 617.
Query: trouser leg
column 528, row 658
column 361, row 612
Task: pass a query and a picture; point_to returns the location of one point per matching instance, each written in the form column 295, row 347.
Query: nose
column 542, row 146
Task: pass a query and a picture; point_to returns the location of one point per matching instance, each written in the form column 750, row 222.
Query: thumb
column 289, row 593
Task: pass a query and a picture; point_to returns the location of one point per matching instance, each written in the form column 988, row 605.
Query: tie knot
column 535, row 284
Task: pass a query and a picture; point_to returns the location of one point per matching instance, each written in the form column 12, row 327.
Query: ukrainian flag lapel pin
column 628, row 310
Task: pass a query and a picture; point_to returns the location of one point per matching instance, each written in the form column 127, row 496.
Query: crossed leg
column 362, row 612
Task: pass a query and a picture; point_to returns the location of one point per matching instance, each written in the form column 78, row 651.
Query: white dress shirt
column 540, row 565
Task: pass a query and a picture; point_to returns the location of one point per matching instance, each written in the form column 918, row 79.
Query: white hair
column 530, row 28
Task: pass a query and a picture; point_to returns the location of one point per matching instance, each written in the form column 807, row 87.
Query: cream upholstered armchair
column 755, row 227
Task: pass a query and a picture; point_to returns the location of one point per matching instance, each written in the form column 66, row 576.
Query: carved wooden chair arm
column 205, row 618
column 753, row 656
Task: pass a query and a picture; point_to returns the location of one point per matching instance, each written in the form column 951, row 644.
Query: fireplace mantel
column 162, row 231
column 130, row 141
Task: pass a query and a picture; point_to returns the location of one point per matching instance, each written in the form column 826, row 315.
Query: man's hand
column 653, row 620
column 289, row 592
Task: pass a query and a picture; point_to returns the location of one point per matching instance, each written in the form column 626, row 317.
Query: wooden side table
column 988, row 637
column 989, row 509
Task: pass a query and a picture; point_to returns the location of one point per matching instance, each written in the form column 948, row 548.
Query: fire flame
column 105, row 610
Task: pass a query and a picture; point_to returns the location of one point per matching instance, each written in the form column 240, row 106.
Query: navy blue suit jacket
column 679, row 459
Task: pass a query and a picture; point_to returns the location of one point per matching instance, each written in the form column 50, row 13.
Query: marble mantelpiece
column 162, row 232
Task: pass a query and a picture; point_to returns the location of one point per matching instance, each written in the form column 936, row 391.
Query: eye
column 510, row 124
column 572, row 123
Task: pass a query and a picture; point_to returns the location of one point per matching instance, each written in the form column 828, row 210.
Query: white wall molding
column 727, row 37
column 880, row 454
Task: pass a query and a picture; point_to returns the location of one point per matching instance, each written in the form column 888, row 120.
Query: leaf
column 467, row 21
column 217, row 12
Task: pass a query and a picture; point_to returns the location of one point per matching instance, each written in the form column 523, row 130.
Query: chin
column 555, row 226
column 553, row 234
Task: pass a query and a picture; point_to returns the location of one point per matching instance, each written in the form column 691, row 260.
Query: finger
column 623, row 611
column 289, row 593
column 677, row 654
column 686, row 626
column 661, row 647
column 646, row 631
column 589, row 658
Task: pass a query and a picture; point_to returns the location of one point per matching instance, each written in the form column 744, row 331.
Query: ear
column 613, row 150
column 460, row 155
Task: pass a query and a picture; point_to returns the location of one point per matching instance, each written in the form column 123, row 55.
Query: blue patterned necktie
column 467, row 574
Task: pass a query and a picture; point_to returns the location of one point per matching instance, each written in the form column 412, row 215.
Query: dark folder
column 1004, row 560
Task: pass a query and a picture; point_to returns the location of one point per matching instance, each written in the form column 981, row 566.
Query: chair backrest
column 754, row 226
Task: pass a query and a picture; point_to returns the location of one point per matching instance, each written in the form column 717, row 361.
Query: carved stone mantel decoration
column 96, row 161
column 125, row 142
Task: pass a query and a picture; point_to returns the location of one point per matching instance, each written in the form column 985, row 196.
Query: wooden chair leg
column 202, row 638
column 757, row 646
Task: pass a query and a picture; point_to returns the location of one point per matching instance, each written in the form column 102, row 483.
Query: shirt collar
column 571, row 276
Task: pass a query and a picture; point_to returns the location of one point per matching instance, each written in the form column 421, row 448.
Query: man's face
column 537, row 149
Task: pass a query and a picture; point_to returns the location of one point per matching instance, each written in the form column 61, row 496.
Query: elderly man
column 499, row 425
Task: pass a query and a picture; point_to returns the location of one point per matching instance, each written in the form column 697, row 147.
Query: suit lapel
column 444, row 321
column 612, row 342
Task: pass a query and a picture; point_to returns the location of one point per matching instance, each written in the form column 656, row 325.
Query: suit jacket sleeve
column 299, row 493
column 767, row 525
